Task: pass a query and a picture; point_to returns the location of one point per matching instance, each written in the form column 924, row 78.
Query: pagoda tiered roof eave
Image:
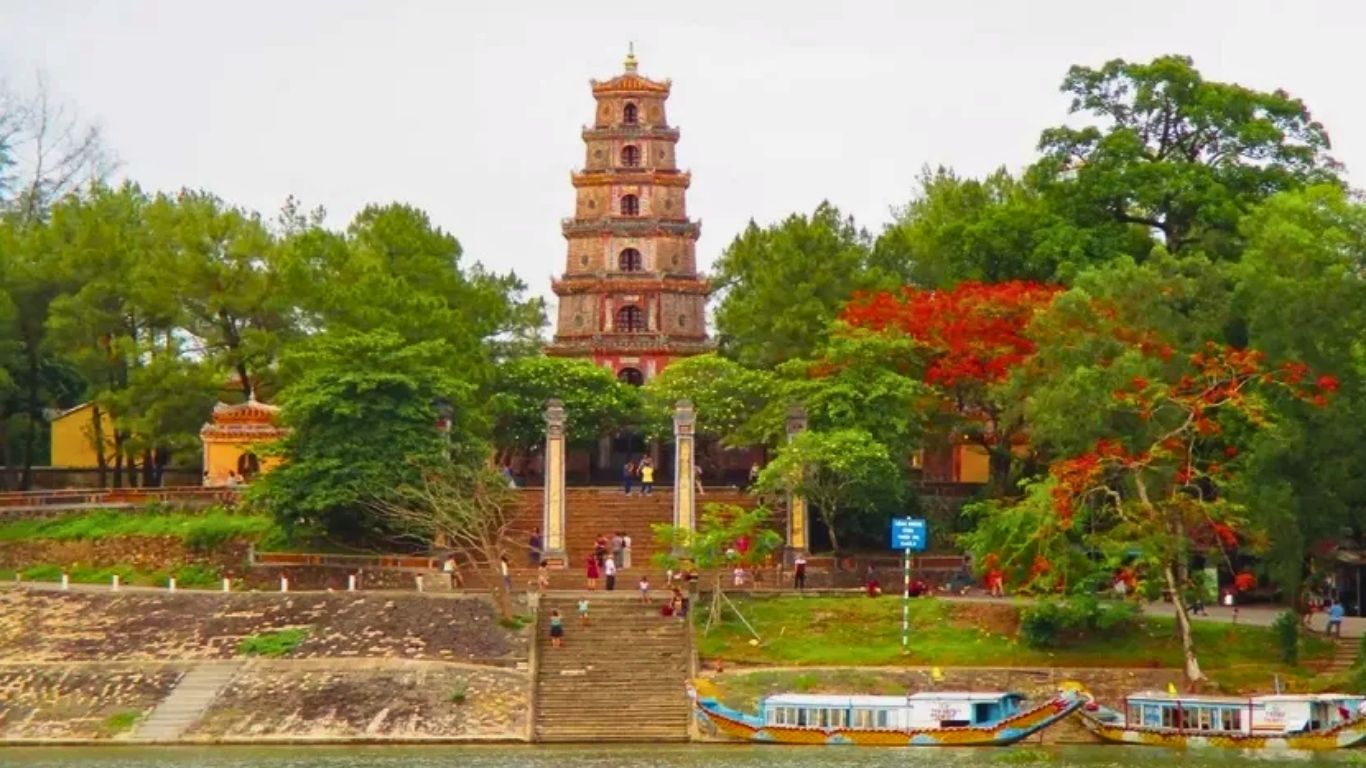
column 656, row 132
column 629, row 344
column 630, row 226
column 632, row 83
column 567, row 286
column 659, row 178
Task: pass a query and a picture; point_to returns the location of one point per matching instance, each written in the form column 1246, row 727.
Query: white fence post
column 227, row 584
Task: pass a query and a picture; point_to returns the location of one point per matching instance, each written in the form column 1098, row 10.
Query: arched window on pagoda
column 630, row 155
column 628, row 114
column 629, row 260
column 630, row 319
column 631, row 376
column 630, row 205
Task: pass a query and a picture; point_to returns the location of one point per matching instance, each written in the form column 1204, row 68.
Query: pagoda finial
column 631, row 57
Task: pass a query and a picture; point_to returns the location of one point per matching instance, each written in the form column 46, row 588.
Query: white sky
column 472, row 110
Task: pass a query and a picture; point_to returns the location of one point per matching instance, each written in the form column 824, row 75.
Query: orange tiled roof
column 631, row 83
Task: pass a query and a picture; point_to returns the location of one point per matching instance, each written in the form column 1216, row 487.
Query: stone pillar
column 552, row 520
column 685, row 500
column 796, row 505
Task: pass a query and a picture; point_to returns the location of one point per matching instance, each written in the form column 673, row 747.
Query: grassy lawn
column 857, row 631
column 200, row 530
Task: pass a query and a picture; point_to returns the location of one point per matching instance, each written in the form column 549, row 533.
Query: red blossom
column 1244, row 582
column 1328, row 383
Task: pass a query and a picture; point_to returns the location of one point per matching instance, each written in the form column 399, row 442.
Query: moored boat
column 1309, row 721
column 931, row 718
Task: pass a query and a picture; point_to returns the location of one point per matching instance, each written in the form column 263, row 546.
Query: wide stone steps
column 187, row 702
column 622, row 677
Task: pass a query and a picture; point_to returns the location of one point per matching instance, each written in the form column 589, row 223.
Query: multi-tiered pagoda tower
column 630, row 296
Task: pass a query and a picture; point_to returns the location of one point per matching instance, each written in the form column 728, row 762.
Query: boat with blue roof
column 924, row 719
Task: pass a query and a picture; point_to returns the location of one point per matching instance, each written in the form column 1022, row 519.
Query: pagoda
column 630, row 297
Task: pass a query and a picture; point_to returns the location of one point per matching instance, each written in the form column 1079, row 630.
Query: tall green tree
column 222, row 265
column 595, row 403
column 363, row 410
column 725, row 394
column 1176, row 155
column 782, row 285
column 843, row 473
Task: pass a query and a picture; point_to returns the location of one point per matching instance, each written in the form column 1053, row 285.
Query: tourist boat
column 928, row 719
column 1282, row 721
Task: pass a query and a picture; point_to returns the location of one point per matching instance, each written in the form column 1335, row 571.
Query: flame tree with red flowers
column 1156, row 486
column 975, row 337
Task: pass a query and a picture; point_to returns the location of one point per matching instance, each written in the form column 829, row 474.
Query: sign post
column 908, row 534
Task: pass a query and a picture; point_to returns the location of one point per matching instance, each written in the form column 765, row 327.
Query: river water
column 650, row 756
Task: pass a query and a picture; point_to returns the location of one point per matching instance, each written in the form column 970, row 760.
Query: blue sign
column 909, row 533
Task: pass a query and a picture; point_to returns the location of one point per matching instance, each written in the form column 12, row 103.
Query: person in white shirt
column 625, row 551
column 610, row 571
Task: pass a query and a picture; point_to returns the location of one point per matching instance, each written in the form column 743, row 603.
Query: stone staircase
column 1345, row 650
column 623, row 677
column 187, row 701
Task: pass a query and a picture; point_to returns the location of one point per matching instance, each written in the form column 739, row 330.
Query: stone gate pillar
column 552, row 520
column 685, row 499
column 796, row 505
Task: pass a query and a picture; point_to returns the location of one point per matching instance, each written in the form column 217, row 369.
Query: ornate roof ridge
column 630, row 82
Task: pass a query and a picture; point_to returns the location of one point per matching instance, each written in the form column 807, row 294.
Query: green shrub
column 121, row 721
column 43, row 573
column 459, row 692
column 197, row 576
column 1044, row 624
column 202, row 530
column 273, row 644
column 1286, row 627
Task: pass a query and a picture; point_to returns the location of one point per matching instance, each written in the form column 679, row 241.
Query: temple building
column 630, row 297
column 233, row 440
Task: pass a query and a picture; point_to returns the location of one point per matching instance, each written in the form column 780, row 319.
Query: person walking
column 556, row 628
column 799, row 572
column 505, row 572
column 1335, row 614
column 583, row 611
column 753, row 473
column 645, row 589
column 592, row 573
column 625, row 550
column 697, row 474
column 535, row 547
column 611, row 574
column 618, row 549
column 628, row 476
column 543, row 576
column 647, row 477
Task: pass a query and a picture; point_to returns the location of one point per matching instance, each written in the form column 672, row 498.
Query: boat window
column 1231, row 719
column 1206, row 718
column 882, row 718
column 863, row 718
column 802, row 717
column 1168, row 717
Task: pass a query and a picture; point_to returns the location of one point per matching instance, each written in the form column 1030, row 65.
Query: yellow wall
column 73, row 440
column 974, row 464
column 222, row 458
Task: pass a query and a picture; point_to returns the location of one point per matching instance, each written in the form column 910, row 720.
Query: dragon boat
column 1315, row 722
column 926, row 719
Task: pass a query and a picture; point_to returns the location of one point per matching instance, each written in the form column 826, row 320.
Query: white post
column 351, row 583
column 66, row 582
column 227, row 584
column 170, row 586
column 284, row 583
column 114, row 585
column 906, row 603
column 419, row 583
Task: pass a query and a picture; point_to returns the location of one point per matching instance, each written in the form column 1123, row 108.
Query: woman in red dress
column 592, row 572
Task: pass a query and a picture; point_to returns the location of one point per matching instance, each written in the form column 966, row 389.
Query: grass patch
column 119, row 722
column 460, row 692
column 857, row 631
column 516, row 622
column 202, row 531
column 193, row 576
column 273, row 644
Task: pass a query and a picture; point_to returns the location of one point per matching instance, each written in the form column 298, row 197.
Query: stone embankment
column 133, row 666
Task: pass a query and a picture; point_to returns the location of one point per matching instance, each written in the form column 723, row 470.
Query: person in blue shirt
column 1335, row 614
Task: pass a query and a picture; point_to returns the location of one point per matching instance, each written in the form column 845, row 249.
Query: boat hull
column 712, row 720
column 1344, row 736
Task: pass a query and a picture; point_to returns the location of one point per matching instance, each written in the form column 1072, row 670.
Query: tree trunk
column 244, row 380
column 97, row 431
column 829, row 521
column 998, row 466
column 502, row 596
column 1183, row 624
column 34, row 413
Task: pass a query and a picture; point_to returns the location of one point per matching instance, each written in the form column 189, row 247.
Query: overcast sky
column 472, row 111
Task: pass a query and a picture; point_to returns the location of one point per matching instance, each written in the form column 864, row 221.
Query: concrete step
column 187, row 702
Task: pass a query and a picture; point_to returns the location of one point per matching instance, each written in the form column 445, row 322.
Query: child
column 647, row 477
column 644, row 589
column 556, row 629
column 583, row 611
column 543, row 576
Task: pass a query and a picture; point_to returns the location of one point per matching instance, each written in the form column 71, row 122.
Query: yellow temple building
column 233, row 439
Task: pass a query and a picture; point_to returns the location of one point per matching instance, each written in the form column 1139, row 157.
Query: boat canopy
column 839, row 700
